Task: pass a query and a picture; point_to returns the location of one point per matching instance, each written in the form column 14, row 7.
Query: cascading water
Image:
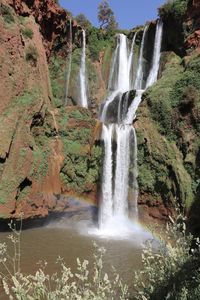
column 82, row 75
column 69, row 62
column 121, row 183
column 106, row 207
column 130, row 61
column 139, row 76
column 156, row 55
column 114, row 206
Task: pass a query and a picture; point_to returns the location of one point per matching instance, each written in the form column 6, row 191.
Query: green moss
column 72, row 147
column 81, row 172
column 81, row 115
column 27, row 32
column 146, row 179
column 57, row 75
column 7, row 14
column 159, row 96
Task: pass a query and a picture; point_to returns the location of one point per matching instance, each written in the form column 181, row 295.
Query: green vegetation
column 159, row 95
column 27, row 32
column 106, row 16
column 31, row 54
column 82, row 165
column 83, row 21
column 175, row 8
column 172, row 270
column 57, row 75
column 99, row 40
column 7, row 14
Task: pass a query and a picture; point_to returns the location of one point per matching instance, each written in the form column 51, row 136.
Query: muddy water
column 70, row 240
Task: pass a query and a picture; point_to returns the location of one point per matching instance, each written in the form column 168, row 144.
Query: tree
column 83, row 21
column 106, row 16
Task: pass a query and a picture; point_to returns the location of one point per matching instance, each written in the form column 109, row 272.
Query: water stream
column 82, row 75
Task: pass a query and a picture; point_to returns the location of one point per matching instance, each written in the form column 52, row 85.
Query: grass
column 27, row 32
column 7, row 14
column 31, row 54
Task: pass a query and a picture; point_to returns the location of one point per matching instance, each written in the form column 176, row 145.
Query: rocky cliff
column 46, row 151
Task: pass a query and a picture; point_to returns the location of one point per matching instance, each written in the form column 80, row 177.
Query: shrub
column 27, row 32
column 176, row 8
column 99, row 40
column 31, row 54
column 172, row 271
column 6, row 12
column 83, row 21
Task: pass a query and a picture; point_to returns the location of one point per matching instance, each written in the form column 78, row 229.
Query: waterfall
column 120, row 140
column 134, row 207
column 133, row 107
column 119, row 80
column 139, row 76
column 69, row 64
column 156, row 55
column 106, row 207
column 123, row 75
column 120, row 202
column 83, row 81
column 130, row 60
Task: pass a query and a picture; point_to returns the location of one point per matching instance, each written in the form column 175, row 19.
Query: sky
column 128, row 13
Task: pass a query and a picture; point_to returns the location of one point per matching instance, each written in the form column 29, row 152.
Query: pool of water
column 71, row 238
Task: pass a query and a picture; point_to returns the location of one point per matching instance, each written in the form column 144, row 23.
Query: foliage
column 6, row 12
column 159, row 98
column 83, row 284
column 99, row 40
column 172, row 270
column 176, row 8
column 27, row 32
column 146, row 178
column 32, row 54
column 106, row 16
column 83, row 21
column 57, row 77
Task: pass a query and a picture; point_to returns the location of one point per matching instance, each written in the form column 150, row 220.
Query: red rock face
column 51, row 18
column 193, row 41
column 193, row 22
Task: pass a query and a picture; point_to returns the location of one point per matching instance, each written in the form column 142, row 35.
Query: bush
column 27, row 32
column 83, row 21
column 31, row 54
column 6, row 12
column 176, row 8
column 99, row 40
column 173, row 270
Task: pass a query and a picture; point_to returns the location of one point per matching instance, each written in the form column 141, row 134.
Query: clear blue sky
column 129, row 13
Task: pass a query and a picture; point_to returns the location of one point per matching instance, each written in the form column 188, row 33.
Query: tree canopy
column 106, row 16
column 83, row 21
